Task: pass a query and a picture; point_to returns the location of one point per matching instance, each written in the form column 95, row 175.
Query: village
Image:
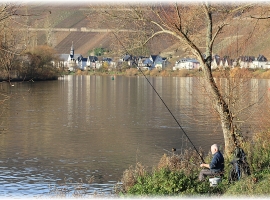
column 73, row 61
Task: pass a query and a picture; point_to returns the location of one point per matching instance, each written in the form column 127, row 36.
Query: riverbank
column 236, row 72
column 177, row 175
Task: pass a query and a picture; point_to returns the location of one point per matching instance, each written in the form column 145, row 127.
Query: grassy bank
column 177, row 175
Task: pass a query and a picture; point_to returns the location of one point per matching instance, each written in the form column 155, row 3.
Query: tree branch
column 259, row 17
column 216, row 34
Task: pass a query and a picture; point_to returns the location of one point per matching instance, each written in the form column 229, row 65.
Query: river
column 57, row 134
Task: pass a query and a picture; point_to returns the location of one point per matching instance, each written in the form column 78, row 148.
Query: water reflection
column 83, row 126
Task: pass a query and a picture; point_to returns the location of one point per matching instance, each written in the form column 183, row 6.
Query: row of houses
column 225, row 62
column 73, row 61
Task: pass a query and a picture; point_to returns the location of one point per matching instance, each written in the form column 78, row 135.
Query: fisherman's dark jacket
column 217, row 163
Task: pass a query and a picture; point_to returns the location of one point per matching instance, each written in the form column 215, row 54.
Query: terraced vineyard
column 83, row 42
column 75, row 17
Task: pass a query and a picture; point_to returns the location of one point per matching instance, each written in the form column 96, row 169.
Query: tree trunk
column 222, row 109
column 218, row 101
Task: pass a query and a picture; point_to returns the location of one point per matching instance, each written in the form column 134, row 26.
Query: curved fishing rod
column 164, row 103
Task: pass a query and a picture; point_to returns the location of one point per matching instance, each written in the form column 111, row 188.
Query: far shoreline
column 224, row 73
column 133, row 72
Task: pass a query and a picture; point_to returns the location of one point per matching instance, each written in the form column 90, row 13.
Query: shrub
column 177, row 175
column 162, row 182
column 188, row 162
column 258, row 150
column 174, row 175
column 254, row 185
column 130, row 176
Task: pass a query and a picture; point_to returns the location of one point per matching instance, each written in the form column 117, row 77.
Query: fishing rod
column 172, row 114
column 163, row 102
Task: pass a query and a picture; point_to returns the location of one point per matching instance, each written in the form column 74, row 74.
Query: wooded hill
column 61, row 25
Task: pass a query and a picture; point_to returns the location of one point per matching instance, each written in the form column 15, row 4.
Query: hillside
column 242, row 37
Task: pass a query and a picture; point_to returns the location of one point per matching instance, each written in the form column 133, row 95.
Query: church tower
column 72, row 51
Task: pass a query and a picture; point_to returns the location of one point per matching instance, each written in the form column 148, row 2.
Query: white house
column 186, row 63
column 246, row 61
column 260, row 62
column 215, row 62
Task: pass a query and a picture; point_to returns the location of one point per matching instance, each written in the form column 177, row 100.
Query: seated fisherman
column 216, row 166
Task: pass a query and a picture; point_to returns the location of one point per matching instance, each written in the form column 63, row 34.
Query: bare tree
column 9, row 48
column 195, row 27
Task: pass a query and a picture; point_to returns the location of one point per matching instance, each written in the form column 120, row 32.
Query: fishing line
column 171, row 114
column 162, row 101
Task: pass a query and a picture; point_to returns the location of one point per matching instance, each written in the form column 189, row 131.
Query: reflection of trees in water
column 4, row 97
column 248, row 100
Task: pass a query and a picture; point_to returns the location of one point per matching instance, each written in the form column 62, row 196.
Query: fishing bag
column 239, row 165
column 239, row 153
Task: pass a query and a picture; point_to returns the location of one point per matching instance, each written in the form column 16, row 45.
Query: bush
column 177, row 175
column 163, row 182
column 130, row 177
column 258, row 150
column 254, row 185
column 187, row 162
column 174, row 175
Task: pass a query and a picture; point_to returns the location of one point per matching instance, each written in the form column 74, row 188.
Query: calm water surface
column 82, row 126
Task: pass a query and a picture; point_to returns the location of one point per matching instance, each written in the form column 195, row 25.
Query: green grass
column 255, row 185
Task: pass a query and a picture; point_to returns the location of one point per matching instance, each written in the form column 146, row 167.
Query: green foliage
column 163, row 182
column 259, row 151
column 98, row 51
column 254, row 185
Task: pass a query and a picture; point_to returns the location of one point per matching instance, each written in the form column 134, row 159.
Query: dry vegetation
column 187, row 162
column 181, row 174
